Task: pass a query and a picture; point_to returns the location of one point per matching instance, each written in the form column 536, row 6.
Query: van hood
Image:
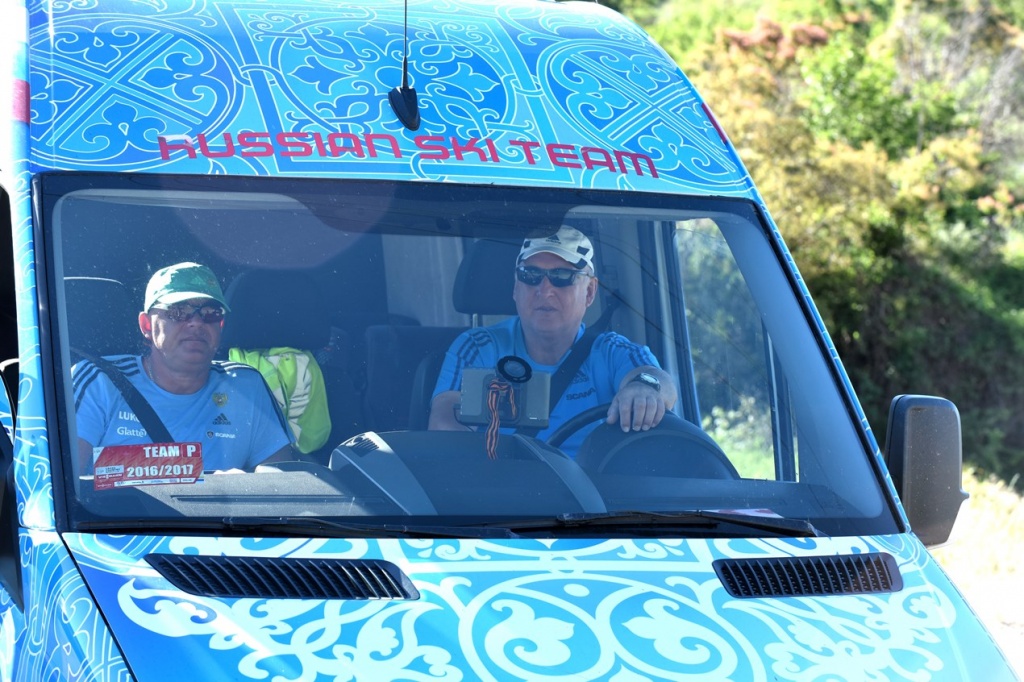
column 524, row 609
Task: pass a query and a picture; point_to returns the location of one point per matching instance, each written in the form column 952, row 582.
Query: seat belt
column 155, row 428
column 563, row 376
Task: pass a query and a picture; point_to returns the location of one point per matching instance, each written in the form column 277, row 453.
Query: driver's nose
column 545, row 288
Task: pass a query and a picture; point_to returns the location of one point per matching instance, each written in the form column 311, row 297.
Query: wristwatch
column 647, row 380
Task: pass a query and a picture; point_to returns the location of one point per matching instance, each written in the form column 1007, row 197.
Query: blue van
column 343, row 207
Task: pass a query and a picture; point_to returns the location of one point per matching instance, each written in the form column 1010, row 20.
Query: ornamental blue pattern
column 65, row 636
column 294, row 88
column 530, row 609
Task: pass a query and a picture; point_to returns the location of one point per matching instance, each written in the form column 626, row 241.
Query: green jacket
column 297, row 382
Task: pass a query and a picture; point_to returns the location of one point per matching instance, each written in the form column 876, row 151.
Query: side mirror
column 923, row 450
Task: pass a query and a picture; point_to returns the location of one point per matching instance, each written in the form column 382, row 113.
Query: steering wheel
column 675, row 448
column 588, row 416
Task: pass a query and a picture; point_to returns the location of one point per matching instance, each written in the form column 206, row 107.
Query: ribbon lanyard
column 497, row 390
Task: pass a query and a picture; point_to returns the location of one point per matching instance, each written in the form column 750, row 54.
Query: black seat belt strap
column 155, row 428
column 561, row 379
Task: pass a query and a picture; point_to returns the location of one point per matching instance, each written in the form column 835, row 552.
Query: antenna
column 403, row 99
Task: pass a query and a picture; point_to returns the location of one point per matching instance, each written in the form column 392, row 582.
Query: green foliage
column 887, row 141
column 1012, row 9
column 850, row 97
column 641, row 11
column 682, row 26
column 745, row 435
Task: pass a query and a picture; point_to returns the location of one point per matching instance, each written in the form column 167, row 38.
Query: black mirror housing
column 923, row 451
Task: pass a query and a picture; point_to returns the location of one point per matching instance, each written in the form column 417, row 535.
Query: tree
column 875, row 147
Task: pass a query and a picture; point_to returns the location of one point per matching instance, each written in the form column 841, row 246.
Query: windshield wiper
column 732, row 523
column 722, row 523
column 299, row 525
column 296, row 526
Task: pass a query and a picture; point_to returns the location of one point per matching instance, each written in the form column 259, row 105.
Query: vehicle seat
column 483, row 287
column 484, row 281
column 273, row 309
column 403, row 362
column 349, row 340
column 396, row 382
column 102, row 319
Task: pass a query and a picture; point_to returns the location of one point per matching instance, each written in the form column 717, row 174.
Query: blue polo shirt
column 234, row 416
column 611, row 358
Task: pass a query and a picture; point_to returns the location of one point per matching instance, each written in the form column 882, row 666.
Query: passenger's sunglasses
column 559, row 277
column 183, row 312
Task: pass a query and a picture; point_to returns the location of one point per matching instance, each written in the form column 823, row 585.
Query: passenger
column 555, row 283
column 224, row 406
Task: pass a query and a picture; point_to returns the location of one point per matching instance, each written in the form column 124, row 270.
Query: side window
column 10, row 562
column 8, row 314
column 741, row 396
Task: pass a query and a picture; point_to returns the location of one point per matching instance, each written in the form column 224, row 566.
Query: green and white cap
column 183, row 282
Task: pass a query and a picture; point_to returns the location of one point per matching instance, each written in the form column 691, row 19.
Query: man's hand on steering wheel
column 644, row 396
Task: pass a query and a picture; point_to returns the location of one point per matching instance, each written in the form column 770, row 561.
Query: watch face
column 648, row 380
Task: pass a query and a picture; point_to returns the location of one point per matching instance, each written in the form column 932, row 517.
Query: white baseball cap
column 568, row 243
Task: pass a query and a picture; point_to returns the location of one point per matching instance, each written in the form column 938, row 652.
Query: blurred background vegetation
column 887, row 139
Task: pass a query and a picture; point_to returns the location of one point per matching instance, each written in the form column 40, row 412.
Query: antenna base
column 403, row 101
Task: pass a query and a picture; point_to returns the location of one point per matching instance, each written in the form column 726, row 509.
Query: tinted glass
column 366, row 285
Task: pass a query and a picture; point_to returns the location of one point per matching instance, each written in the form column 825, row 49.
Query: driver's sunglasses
column 183, row 312
column 559, row 277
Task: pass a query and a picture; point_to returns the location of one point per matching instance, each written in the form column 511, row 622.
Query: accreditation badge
column 120, row 466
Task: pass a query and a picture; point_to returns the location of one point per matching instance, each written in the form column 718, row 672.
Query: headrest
column 483, row 284
column 102, row 320
column 275, row 308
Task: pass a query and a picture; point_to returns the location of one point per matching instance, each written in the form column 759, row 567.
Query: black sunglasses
column 559, row 277
column 182, row 312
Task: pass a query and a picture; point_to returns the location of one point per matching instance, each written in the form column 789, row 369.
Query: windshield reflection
column 377, row 350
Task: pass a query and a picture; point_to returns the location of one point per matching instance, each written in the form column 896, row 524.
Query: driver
column 224, row 406
column 555, row 283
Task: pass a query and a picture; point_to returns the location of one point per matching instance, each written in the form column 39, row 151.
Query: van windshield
column 298, row 385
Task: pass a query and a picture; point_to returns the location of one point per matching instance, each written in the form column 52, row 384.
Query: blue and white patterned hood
column 521, row 93
column 533, row 609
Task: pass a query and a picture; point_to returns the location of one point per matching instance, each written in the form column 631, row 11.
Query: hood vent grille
column 810, row 576
column 278, row 578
